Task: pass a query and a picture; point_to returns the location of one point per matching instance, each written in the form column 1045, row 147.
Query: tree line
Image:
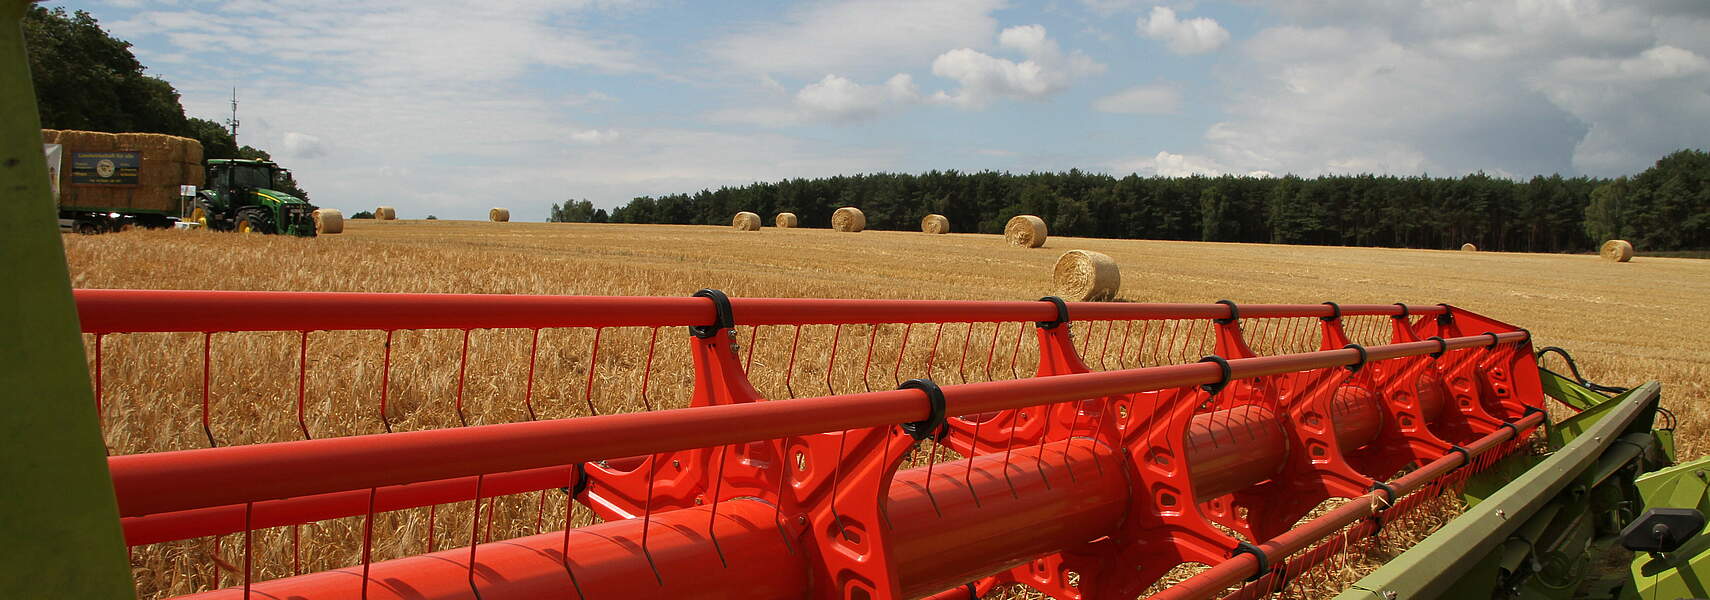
column 86, row 79
column 1665, row 208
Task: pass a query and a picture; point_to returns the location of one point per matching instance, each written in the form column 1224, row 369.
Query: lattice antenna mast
column 233, row 121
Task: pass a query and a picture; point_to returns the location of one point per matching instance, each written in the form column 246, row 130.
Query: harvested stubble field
column 1626, row 323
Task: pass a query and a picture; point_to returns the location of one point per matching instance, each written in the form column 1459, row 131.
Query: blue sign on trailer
column 105, row 168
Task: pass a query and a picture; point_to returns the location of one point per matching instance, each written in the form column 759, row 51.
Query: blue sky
column 437, row 107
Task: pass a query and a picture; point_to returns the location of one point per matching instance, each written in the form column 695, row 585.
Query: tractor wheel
column 250, row 220
column 200, row 217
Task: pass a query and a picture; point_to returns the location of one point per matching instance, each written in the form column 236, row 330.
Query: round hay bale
column 934, row 224
column 745, row 221
column 1086, row 276
column 1617, row 250
column 328, row 220
column 1469, row 248
column 785, row 220
column 1026, row 231
column 848, row 219
column 498, row 215
column 385, row 213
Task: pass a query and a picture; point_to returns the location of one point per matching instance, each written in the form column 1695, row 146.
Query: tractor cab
column 240, row 174
column 242, row 195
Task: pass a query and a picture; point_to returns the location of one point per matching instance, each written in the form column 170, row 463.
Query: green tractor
column 239, row 196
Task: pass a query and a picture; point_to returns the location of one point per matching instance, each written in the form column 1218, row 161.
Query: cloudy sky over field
column 438, row 108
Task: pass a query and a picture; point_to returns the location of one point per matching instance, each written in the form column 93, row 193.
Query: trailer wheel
column 88, row 228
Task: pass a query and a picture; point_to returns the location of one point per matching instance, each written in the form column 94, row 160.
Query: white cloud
column 1106, row 7
column 1182, row 36
column 1596, row 87
column 859, row 38
column 594, row 136
column 834, row 98
column 838, row 98
column 1166, row 164
column 385, row 43
column 1155, row 99
column 302, row 145
column 983, row 78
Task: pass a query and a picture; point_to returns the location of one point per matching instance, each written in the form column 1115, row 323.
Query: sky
column 449, row 108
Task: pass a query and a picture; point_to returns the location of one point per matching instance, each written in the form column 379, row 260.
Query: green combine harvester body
column 1597, row 512
column 240, row 196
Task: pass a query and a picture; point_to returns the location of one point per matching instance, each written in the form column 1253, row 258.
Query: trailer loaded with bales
column 109, row 181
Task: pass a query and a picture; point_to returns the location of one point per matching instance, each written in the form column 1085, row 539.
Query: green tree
column 216, row 140
column 572, row 211
column 1606, row 214
column 362, row 214
column 87, row 79
column 1669, row 204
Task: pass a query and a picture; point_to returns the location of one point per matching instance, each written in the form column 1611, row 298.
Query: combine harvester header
column 1090, row 479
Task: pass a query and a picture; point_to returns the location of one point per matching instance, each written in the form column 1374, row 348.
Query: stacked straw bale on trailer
column 499, row 215
column 165, row 163
column 1617, row 250
column 785, row 220
column 1086, row 276
column 934, row 224
column 328, row 220
column 745, row 221
column 1027, row 231
column 1468, row 247
column 385, row 213
column 848, row 219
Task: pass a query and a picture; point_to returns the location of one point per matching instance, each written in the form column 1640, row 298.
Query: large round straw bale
column 1026, row 231
column 386, row 213
column 745, row 221
column 935, row 224
column 328, row 220
column 1084, row 275
column 848, row 219
column 1469, row 248
column 785, row 220
column 1617, row 250
column 498, row 215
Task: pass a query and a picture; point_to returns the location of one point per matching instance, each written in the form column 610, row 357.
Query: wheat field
column 1626, row 323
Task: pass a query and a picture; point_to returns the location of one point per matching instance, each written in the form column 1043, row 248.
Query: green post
column 59, row 523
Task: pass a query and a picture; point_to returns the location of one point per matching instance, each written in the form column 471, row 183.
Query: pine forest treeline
column 1665, row 208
